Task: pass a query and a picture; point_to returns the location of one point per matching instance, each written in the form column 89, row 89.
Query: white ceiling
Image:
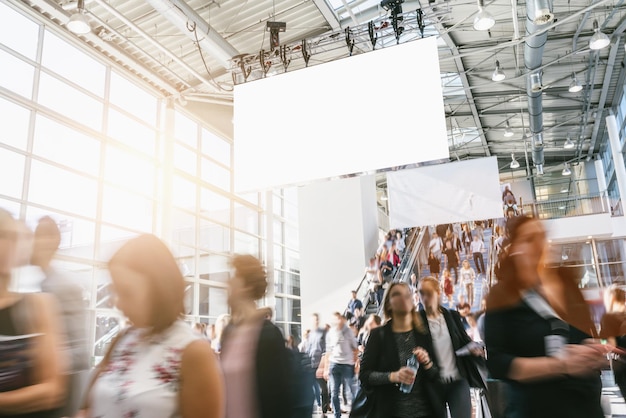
column 133, row 34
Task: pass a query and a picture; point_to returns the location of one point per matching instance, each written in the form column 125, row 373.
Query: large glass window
column 133, row 99
column 61, row 189
column 66, row 146
column 83, row 70
column 11, row 171
column 18, row 32
column 216, row 147
column 15, row 119
column 129, row 170
column 132, row 133
column 70, row 102
column 16, row 75
column 129, row 210
column 97, row 168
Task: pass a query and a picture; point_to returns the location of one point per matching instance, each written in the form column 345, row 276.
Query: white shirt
column 442, row 343
column 477, row 246
column 435, row 245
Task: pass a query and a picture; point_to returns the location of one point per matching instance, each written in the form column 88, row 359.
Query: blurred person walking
column 33, row 380
column 315, row 348
column 552, row 368
column 259, row 370
column 69, row 295
column 457, row 372
column 388, row 349
column 158, row 367
column 341, row 347
column 613, row 328
column 468, row 275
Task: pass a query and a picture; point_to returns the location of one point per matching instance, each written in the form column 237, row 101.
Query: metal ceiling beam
column 53, row 13
column 329, row 14
column 468, row 92
column 560, row 109
column 110, row 9
column 184, row 17
column 616, row 45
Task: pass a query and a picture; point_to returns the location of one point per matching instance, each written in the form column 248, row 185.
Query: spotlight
column 514, row 162
column 575, row 86
column 599, row 39
column 483, row 19
column 508, row 132
column 498, row 74
column 566, row 170
column 78, row 22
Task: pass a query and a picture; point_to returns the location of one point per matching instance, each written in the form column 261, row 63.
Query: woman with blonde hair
column 389, row 347
column 158, row 367
column 34, row 385
column 456, row 373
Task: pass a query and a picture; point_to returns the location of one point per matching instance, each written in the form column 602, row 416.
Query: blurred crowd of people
column 419, row 356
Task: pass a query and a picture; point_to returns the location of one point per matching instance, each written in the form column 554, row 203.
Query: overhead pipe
column 153, row 42
column 186, row 19
column 533, row 55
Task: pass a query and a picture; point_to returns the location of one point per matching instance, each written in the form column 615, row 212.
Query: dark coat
column 467, row 365
column 273, row 372
column 381, row 355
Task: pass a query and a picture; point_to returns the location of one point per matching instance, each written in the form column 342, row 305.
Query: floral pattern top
column 143, row 375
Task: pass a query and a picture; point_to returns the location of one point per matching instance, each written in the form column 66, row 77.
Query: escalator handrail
column 404, row 274
column 363, row 288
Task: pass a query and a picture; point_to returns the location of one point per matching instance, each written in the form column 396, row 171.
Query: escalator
column 415, row 256
column 415, row 260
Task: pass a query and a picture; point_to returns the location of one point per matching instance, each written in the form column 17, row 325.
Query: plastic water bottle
column 412, row 364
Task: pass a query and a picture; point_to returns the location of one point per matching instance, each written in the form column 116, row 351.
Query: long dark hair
column 417, row 319
column 504, row 268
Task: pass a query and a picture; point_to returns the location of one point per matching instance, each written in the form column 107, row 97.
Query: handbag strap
column 542, row 308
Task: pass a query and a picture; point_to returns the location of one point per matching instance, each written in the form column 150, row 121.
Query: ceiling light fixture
column 508, row 132
column 535, row 82
column 569, row 144
column 514, row 162
column 542, row 14
column 483, row 19
column 564, row 190
column 599, row 39
column 498, row 74
column 566, row 170
column 575, row 86
column 78, row 22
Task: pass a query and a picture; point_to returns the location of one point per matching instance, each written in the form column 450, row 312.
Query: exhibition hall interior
column 315, row 135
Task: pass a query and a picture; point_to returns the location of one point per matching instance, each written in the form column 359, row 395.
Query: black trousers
column 325, row 396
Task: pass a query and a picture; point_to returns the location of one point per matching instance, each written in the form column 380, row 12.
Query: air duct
column 533, row 55
column 184, row 17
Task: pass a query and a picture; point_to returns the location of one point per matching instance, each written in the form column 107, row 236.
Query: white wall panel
column 444, row 193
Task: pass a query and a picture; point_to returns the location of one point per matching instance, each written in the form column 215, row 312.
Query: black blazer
column 381, row 355
column 272, row 373
column 473, row 369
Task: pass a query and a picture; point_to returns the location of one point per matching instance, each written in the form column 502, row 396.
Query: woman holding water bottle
column 397, row 372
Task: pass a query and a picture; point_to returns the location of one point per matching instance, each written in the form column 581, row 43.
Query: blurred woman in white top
column 158, row 367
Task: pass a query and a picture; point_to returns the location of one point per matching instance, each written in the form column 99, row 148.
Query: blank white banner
column 444, row 193
column 368, row 112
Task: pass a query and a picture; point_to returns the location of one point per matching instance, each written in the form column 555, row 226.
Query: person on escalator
column 400, row 243
column 394, row 255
